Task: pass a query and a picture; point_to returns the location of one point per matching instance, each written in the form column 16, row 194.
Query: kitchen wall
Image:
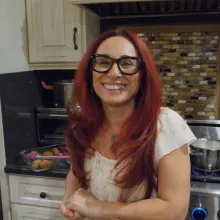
column 13, row 50
column 187, row 64
column 187, row 59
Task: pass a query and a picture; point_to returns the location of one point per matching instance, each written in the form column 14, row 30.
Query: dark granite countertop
column 25, row 170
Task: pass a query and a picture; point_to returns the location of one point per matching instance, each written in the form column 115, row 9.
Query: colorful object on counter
column 62, row 149
column 32, row 156
column 46, row 158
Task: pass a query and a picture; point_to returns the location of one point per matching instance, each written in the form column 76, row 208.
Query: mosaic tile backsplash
column 187, row 63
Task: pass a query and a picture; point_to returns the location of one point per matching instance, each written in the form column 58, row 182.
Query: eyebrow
column 107, row 55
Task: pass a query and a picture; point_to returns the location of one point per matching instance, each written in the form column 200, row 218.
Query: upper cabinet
column 59, row 32
column 104, row 1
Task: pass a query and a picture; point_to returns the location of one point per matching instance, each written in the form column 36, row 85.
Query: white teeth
column 114, row 87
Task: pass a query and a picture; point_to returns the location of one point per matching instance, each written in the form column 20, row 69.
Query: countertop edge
column 25, row 170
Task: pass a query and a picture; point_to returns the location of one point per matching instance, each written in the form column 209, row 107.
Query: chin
column 116, row 102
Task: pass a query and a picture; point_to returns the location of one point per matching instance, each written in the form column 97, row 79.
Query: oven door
column 50, row 128
column 204, row 201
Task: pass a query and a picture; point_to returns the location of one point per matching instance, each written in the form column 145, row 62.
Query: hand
column 70, row 214
column 80, row 202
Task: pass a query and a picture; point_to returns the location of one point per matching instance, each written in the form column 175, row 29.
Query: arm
column 71, row 185
column 173, row 194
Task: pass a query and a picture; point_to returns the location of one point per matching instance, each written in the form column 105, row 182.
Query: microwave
column 50, row 125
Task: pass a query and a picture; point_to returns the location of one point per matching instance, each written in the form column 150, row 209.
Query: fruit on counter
column 42, row 164
column 36, row 164
column 34, row 152
column 55, row 151
column 45, row 164
column 47, row 153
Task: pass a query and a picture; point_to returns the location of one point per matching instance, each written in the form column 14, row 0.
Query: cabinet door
column 46, row 192
column 55, row 31
column 80, row 2
column 25, row 212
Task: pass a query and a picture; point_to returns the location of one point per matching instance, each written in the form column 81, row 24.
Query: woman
column 129, row 155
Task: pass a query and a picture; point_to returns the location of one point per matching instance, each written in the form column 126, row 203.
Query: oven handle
column 51, row 115
column 205, row 191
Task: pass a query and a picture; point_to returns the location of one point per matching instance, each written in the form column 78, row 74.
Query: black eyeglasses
column 127, row 65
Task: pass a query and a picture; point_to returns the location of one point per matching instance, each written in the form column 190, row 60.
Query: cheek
column 135, row 81
column 95, row 79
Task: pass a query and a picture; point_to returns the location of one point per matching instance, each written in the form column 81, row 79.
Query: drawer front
column 25, row 212
column 45, row 192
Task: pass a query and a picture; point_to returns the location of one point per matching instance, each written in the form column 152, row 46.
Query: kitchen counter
column 25, row 170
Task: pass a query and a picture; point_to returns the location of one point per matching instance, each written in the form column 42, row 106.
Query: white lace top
column 172, row 133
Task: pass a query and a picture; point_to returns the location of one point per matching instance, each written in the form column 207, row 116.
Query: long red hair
column 136, row 140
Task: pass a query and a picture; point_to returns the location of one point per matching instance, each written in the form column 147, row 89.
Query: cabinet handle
column 43, row 195
column 74, row 38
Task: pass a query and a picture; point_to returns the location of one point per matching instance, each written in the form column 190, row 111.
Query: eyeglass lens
column 125, row 64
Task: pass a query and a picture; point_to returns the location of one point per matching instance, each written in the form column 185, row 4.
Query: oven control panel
column 199, row 213
column 204, row 201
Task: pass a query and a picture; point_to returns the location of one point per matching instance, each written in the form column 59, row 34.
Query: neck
column 115, row 116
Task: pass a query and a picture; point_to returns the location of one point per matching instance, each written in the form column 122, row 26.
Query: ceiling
column 155, row 8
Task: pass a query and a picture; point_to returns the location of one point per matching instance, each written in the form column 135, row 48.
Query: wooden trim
column 102, row 1
column 53, row 66
column 175, row 28
column 218, row 83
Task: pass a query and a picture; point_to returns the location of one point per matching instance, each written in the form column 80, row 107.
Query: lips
column 114, row 86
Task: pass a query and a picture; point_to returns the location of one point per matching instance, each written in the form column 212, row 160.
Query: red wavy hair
column 136, row 140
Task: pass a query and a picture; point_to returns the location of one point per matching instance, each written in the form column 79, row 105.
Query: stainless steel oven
column 205, row 185
column 204, row 201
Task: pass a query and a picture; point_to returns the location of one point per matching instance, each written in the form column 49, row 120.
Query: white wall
column 13, row 58
column 3, row 177
column 13, row 36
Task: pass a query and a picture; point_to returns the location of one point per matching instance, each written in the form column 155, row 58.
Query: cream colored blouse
column 172, row 133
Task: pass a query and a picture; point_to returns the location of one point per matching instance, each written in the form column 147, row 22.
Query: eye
column 128, row 62
column 102, row 61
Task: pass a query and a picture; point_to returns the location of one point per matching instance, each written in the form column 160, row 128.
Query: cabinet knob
column 74, row 38
column 43, row 195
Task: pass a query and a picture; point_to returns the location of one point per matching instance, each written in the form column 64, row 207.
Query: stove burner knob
column 199, row 214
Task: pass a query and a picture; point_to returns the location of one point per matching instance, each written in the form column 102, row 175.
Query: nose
column 114, row 71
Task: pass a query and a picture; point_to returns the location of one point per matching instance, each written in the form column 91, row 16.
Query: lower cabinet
column 36, row 198
column 36, row 191
column 26, row 212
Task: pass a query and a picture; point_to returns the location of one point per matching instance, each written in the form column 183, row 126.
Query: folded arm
column 173, row 194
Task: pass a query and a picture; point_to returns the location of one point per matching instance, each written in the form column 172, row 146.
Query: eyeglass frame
column 116, row 60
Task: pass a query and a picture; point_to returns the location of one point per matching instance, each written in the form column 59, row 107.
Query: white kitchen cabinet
column 103, row 1
column 24, row 212
column 46, row 192
column 59, row 32
column 28, row 202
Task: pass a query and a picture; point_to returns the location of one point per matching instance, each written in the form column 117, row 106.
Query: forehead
column 116, row 47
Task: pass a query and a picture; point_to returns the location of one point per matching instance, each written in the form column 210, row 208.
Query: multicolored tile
column 187, row 64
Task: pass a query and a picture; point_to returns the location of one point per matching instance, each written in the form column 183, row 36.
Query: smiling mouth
column 114, row 87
